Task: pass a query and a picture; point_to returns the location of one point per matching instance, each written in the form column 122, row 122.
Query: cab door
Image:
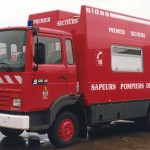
column 50, row 80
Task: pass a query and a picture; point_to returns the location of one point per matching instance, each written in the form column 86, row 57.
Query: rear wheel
column 64, row 131
column 11, row 132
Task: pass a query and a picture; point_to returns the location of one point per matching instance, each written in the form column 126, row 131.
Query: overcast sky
column 15, row 12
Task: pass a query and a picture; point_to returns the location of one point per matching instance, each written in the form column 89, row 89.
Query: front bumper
column 14, row 121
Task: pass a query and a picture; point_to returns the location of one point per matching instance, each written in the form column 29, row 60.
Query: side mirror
column 39, row 56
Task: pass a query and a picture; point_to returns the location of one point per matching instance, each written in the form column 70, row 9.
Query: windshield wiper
column 6, row 66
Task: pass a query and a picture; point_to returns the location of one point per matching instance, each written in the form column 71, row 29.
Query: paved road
column 119, row 137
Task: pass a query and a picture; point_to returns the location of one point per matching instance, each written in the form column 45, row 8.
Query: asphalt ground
column 122, row 136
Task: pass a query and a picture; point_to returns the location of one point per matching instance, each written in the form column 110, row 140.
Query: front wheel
column 64, row 130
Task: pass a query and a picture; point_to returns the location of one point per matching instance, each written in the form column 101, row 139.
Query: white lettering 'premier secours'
column 138, row 34
column 105, row 13
column 117, row 31
column 42, row 20
column 67, row 22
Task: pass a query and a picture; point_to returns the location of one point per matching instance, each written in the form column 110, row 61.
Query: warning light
column 30, row 23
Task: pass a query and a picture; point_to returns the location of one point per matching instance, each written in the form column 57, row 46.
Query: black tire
column 147, row 124
column 11, row 132
column 64, row 130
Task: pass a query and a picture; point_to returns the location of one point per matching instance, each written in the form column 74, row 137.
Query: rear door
column 71, row 67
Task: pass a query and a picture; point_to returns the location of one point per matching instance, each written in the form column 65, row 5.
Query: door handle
column 62, row 78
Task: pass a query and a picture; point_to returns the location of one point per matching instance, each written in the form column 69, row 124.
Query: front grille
column 6, row 96
column 5, row 99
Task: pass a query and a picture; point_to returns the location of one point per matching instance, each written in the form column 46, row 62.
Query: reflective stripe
column 19, row 79
column 9, row 80
column 1, row 81
column 13, row 79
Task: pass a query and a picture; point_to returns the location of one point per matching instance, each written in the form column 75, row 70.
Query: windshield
column 12, row 50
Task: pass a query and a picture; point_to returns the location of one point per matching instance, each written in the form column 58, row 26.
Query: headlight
column 17, row 102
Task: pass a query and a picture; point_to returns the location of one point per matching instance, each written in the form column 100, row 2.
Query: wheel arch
column 71, row 103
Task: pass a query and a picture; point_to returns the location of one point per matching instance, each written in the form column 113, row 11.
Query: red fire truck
column 69, row 71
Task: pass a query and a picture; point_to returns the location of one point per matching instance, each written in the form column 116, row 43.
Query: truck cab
column 37, row 81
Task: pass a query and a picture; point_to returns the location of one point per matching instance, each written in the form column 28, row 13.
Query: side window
column 69, row 51
column 53, row 49
column 126, row 59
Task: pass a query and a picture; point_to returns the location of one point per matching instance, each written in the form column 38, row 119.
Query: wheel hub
column 66, row 129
